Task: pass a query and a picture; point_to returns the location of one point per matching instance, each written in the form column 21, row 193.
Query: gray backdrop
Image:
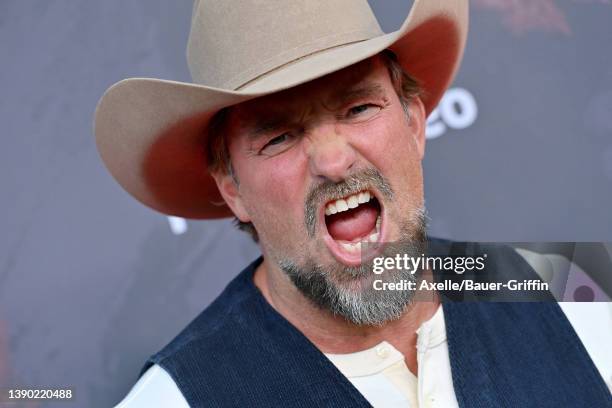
column 91, row 282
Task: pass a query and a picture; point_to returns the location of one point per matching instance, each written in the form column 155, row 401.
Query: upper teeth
column 345, row 203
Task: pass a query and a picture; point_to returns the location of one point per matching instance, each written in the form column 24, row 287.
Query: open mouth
column 353, row 226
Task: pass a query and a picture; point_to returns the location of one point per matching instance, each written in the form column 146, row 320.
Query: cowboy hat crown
column 233, row 42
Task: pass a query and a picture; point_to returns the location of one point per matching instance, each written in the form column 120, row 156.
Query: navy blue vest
column 240, row 352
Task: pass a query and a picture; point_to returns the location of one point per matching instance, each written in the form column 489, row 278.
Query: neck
column 334, row 334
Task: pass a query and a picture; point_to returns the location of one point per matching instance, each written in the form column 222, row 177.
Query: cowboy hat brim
column 151, row 133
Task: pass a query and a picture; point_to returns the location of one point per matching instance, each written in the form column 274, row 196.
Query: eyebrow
column 265, row 125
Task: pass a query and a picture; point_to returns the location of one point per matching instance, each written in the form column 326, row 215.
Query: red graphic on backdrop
column 522, row 16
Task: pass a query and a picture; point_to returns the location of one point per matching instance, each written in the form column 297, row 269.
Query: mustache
column 367, row 179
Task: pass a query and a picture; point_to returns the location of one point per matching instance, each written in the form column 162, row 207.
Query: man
column 308, row 125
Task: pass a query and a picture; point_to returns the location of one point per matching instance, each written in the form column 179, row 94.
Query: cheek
column 274, row 195
column 390, row 146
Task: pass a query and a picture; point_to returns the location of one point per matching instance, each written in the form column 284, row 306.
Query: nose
column 330, row 154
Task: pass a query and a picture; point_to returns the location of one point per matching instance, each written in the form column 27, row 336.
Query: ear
column 230, row 192
column 418, row 124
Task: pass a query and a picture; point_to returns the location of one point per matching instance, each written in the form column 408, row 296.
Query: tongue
column 352, row 224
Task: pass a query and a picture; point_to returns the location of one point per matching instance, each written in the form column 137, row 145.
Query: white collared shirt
column 383, row 378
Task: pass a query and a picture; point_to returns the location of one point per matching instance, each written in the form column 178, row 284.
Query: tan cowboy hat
column 151, row 133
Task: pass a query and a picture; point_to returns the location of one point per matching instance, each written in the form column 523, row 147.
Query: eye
column 277, row 144
column 278, row 140
column 363, row 111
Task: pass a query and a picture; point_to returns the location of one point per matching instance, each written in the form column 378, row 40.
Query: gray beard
column 347, row 291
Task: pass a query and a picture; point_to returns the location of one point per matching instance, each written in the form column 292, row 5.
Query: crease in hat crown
column 233, row 42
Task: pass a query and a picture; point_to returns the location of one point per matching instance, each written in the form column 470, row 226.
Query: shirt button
column 382, row 351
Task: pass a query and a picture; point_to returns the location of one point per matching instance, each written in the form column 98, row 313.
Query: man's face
column 343, row 140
